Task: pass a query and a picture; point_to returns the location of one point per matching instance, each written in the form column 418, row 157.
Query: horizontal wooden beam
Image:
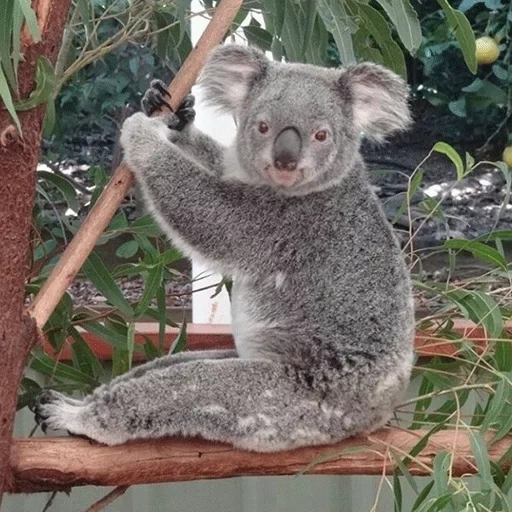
column 218, row 336
column 42, row 464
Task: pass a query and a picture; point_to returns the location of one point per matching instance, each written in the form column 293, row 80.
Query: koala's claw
column 155, row 98
column 41, row 417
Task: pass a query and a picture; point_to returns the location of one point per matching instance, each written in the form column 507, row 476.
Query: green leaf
column 441, row 465
column 180, row 342
column 45, row 365
column 397, row 493
column 377, row 26
column 97, row 272
column 31, row 20
column 161, row 304
column 479, row 250
column 130, row 343
column 414, row 185
column 45, row 82
column 292, row 32
column 6, row 19
column 500, row 72
column 422, row 496
column 145, row 225
column 49, row 119
column 404, row 470
column 150, row 350
column 44, row 249
column 258, row 36
column 107, row 334
column 153, row 281
column 316, row 47
column 83, row 357
column 463, row 33
column 480, row 308
column 340, row 25
column 120, row 361
column 406, row 22
column 64, row 186
column 481, row 458
column 128, row 249
column 273, row 14
column 17, row 23
column 446, row 149
column 5, row 96
column 418, row 447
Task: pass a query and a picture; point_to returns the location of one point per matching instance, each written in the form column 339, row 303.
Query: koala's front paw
column 157, row 97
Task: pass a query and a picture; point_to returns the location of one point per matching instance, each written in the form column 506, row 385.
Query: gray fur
column 322, row 309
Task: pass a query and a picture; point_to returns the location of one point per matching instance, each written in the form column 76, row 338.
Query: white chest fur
column 250, row 327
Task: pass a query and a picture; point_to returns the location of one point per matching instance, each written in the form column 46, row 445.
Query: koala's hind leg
column 181, row 357
column 255, row 405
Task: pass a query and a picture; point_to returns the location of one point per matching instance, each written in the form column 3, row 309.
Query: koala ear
column 229, row 74
column 379, row 99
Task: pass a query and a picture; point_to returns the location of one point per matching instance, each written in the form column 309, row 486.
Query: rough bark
column 18, row 160
column 61, row 463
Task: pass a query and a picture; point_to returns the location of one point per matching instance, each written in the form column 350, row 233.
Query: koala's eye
column 321, row 135
column 263, row 127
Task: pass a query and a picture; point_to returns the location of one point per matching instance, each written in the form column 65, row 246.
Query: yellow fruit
column 487, row 51
column 507, row 156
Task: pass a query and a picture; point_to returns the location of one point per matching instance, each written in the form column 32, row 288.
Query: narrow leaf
column 339, row 24
column 463, row 33
column 64, row 186
column 446, row 149
column 479, row 250
column 97, row 272
column 45, row 82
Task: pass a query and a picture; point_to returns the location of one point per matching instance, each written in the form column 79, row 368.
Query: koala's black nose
column 287, row 148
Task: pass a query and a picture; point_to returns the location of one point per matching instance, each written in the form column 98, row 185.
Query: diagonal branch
column 122, row 180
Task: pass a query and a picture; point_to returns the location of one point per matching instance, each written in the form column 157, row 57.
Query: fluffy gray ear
column 229, row 74
column 379, row 99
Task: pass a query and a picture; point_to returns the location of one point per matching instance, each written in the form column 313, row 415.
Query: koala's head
column 300, row 126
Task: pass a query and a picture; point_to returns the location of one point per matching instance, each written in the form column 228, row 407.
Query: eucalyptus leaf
column 259, row 37
column 64, row 186
column 479, row 250
column 5, row 96
column 406, row 22
column 463, row 33
column 479, row 450
column 30, row 19
column 446, row 149
column 6, row 26
column 45, row 83
column 339, row 24
column 97, row 272
column 128, row 249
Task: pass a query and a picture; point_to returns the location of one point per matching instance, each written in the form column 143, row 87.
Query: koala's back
column 339, row 287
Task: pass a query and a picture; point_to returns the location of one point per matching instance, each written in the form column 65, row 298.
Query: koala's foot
column 156, row 97
column 56, row 411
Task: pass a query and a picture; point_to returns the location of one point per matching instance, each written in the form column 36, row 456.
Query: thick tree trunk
column 18, row 160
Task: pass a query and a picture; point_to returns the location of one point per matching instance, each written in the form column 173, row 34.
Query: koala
column 322, row 308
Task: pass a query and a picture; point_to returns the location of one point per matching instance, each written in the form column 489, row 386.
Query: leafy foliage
column 468, row 108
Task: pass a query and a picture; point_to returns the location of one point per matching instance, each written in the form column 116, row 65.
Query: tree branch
column 122, row 180
column 60, row 463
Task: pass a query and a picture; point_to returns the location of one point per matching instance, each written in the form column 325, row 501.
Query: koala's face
column 293, row 128
column 299, row 126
